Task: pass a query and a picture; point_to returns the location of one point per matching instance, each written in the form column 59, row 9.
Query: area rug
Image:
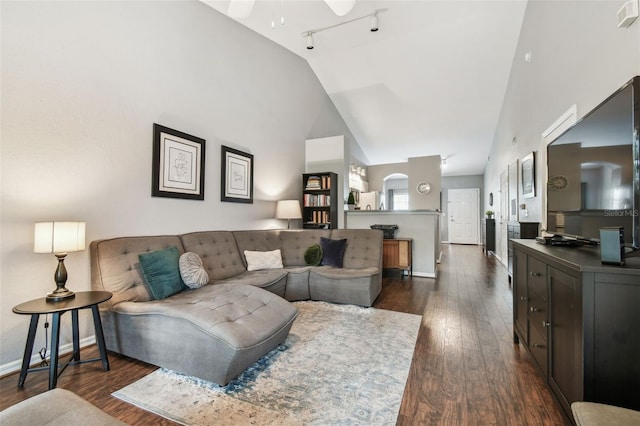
column 340, row 365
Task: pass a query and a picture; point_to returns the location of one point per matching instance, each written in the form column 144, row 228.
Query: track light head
column 374, row 23
column 309, row 41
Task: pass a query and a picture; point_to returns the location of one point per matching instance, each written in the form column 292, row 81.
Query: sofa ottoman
column 214, row 333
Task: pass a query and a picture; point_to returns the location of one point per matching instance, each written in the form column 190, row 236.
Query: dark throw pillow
column 332, row 251
column 313, row 255
column 161, row 270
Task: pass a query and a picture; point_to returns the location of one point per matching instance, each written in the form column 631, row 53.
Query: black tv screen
column 593, row 171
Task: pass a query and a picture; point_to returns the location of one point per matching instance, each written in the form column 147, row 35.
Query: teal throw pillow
column 161, row 270
column 313, row 255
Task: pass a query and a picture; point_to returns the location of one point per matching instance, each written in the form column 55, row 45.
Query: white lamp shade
column 288, row 209
column 59, row 237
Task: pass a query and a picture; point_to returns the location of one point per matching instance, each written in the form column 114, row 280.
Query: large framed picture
column 528, row 175
column 178, row 164
column 237, row 176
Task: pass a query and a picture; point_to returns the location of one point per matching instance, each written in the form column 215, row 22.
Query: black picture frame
column 237, row 176
column 178, row 164
column 528, row 175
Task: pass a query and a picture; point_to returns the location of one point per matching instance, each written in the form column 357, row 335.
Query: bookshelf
column 320, row 200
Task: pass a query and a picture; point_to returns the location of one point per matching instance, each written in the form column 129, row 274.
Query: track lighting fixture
column 373, row 28
column 374, row 23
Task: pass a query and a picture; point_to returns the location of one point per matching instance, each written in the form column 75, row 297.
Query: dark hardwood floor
column 466, row 370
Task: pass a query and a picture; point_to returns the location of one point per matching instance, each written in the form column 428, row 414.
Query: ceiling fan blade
column 340, row 7
column 240, row 9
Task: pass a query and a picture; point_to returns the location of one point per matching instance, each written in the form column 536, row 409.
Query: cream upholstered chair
column 56, row 407
column 594, row 414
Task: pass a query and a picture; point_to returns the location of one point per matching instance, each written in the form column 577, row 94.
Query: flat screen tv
column 593, row 171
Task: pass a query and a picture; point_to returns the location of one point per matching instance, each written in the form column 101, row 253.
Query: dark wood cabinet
column 580, row 320
column 489, row 235
column 320, row 200
column 565, row 334
column 518, row 230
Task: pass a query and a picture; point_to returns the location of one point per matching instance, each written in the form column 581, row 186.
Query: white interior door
column 464, row 216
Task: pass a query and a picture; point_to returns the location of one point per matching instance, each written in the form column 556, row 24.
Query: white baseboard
column 13, row 366
column 424, row 274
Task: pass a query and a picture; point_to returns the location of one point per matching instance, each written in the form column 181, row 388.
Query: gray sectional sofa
column 215, row 332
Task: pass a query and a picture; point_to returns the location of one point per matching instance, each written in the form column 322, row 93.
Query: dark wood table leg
column 97, row 323
column 55, row 343
column 28, row 349
column 76, row 335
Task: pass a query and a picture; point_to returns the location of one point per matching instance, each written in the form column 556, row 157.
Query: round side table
column 37, row 307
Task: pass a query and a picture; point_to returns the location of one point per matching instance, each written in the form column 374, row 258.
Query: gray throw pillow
column 191, row 270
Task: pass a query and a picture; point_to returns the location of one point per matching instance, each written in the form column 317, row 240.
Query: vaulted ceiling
column 431, row 81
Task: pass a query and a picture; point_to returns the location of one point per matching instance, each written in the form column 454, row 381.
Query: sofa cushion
column 115, row 266
column 192, row 271
column 218, row 251
column 364, row 248
column 259, row 260
column 333, row 251
column 263, row 240
column 161, row 272
column 274, row 280
column 296, row 242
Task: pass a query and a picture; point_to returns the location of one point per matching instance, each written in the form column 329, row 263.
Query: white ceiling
column 430, row 82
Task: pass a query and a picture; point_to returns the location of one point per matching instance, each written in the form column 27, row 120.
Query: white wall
column 578, row 56
column 328, row 155
column 82, row 85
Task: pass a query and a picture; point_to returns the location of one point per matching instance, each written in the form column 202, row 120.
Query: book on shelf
column 319, row 216
column 317, row 183
column 312, row 200
column 314, row 183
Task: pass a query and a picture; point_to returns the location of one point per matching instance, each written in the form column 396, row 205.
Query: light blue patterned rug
column 340, row 365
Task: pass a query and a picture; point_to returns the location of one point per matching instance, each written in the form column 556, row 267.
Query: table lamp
column 59, row 238
column 288, row 209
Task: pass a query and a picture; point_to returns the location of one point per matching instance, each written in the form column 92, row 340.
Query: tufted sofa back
column 364, row 247
column 115, row 266
column 296, row 242
column 218, row 251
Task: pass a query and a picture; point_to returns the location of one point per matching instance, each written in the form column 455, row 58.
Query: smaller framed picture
column 237, row 176
column 178, row 164
column 528, row 175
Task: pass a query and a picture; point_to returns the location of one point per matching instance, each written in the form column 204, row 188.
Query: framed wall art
column 528, row 175
column 178, row 164
column 237, row 176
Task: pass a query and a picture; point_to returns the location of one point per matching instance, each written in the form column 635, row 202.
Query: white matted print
column 237, row 176
column 178, row 164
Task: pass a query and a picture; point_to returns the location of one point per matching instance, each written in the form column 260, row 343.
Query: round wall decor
column 558, row 183
column 423, row 188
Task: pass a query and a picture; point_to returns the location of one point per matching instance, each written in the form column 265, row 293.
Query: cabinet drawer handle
column 533, row 309
column 524, row 298
column 535, row 345
column 546, row 323
column 535, row 274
